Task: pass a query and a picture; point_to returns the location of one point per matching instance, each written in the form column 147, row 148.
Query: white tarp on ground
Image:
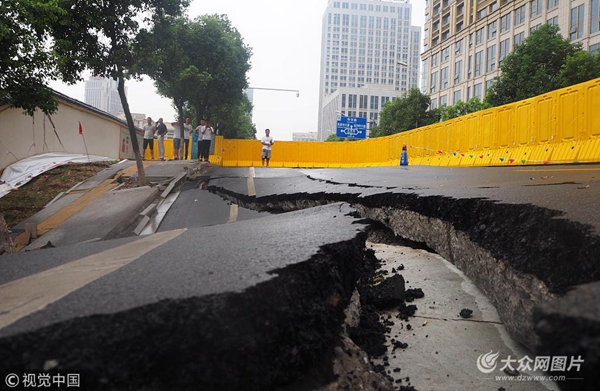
column 21, row 172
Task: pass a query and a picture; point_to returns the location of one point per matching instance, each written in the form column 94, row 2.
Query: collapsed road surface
column 524, row 236
column 249, row 305
column 256, row 304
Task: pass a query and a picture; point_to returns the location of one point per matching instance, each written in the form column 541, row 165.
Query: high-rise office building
column 465, row 41
column 102, row 93
column 369, row 56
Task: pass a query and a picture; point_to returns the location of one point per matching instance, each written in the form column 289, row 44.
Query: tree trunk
column 132, row 133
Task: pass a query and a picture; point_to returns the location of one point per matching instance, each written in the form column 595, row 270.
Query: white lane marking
column 233, row 213
column 251, row 188
column 30, row 294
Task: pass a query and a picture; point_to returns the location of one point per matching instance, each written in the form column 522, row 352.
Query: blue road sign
column 351, row 127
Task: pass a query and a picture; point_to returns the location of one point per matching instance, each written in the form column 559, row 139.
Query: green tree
column 580, row 67
column 461, row 108
column 219, row 50
column 235, row 121
column 164, row 57
column 333, row 138
column 99, row 35
column 407, row 112
column 533, row 68
column 26, row 63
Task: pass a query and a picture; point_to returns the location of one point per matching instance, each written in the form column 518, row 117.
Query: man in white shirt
column 148, row 137
column 200, row 131
column 187, row 128
column 176, row 140
column 206, row 139
column 267, row 142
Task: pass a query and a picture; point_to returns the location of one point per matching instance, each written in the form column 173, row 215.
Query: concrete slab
column 103, row 175
column 200, row 208
column 48, row 211
column 103, row 218
column 443, row 348
column 168, row 169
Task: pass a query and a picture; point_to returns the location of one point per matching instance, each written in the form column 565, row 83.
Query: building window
column 552, row 3
column 435, row 60
column 519, row 38
column 444, row 78
column 479, row 36
column 470, row 67
column 343, row 100
column 520, row 15
column 488, row 84
column 374, row 103
column 477, row 92
column 595, row 49
column 352, row 101
column 535, row 8
column 433, row 104
column 432, row 82
column 504, row 23
column 504, row 50
column 458, row 72
column 553, row 21
column 532, row 29
column 478, row 63
column 491, row 59
column 457, row 97
column 443, row 100
column 492, row 29
column 576, row 25
column 594, row 20
column 445, row 54
column 363, row 102
column 458, row 47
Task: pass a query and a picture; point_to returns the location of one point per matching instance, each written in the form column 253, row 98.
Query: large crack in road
column 520, row 255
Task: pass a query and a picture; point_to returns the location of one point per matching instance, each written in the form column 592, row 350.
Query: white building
column 369, row 55
column 465, row 41
column 102, row 93
column 304, row 136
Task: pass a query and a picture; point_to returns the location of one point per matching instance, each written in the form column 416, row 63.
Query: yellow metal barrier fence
column 559, row 127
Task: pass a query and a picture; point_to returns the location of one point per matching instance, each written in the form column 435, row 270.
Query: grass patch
column 29, row 199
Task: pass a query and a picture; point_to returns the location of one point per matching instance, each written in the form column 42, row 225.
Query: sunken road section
column 521, row 256
column 262, row 336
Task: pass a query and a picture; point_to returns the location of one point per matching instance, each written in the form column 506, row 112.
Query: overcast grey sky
column 285, row 37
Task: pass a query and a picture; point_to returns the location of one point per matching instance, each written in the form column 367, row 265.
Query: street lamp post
column 276, row 89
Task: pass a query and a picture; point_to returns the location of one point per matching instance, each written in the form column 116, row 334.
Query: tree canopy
column 462, row 108
column 26, row 63
column 407, row 112
column 202, row 66
column 544, row 62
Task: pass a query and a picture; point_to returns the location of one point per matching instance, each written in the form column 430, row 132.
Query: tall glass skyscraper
column 369, row 56
column 102, row 93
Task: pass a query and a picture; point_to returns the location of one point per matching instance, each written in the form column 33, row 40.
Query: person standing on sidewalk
column 199, row 131
column 176, row 140
column 267, row 142
column 149, row 129
column 187, row 128
column 206, row 136
column 161, row 131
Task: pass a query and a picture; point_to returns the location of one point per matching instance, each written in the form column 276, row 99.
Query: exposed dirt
column 29, row 199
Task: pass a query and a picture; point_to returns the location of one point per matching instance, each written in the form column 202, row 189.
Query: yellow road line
column 251, row 188
column 233, row 213
column 30, row 294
